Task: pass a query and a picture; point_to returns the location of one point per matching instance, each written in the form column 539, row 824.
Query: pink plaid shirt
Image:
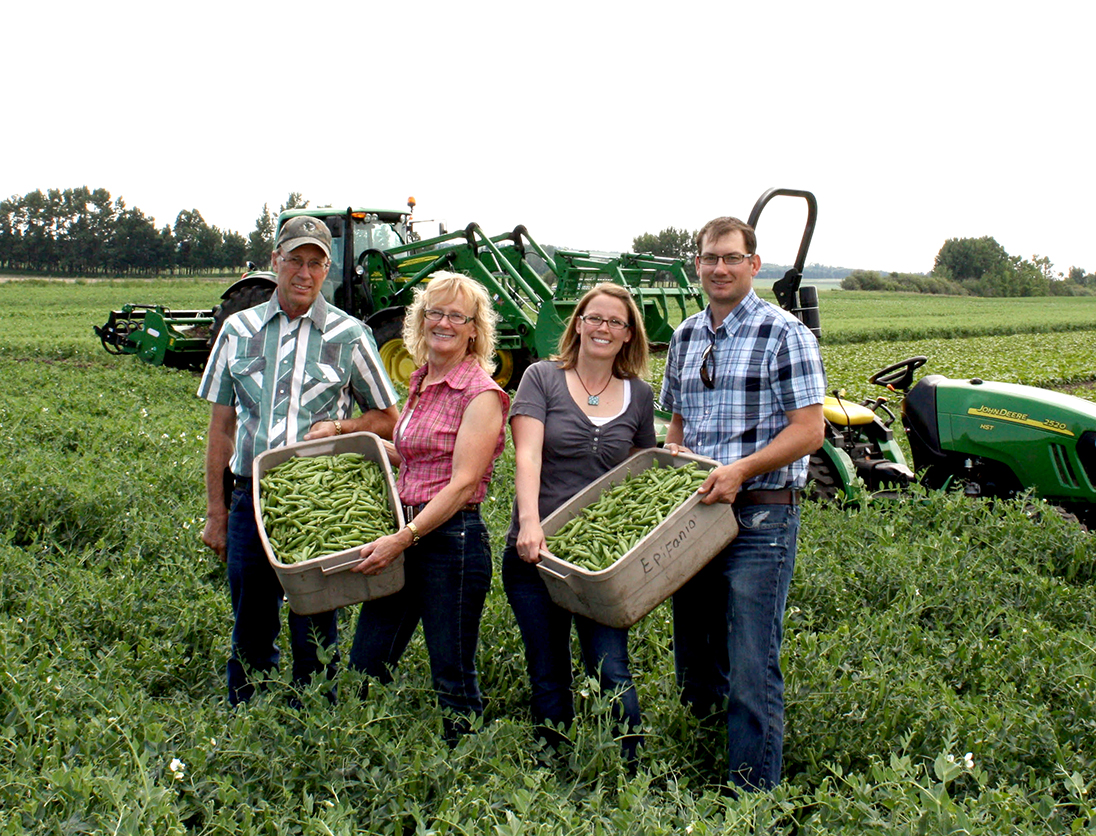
column 427, row 438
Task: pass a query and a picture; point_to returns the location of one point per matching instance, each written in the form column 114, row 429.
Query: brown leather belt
column 412, row 511
column 784, row 496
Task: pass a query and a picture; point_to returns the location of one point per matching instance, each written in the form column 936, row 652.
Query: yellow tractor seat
column 846, row 413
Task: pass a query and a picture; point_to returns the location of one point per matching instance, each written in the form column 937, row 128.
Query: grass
column 917, row 632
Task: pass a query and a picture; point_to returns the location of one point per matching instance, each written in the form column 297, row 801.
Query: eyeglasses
column 594, row 321
column 296, row 262
column 708, row 377
column 730, row 259
column 454, row 318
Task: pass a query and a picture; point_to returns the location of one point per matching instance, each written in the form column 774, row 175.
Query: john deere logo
column 1021, row 418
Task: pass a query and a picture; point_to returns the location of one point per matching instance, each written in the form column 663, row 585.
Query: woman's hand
column 530, row 542
column 376, row 556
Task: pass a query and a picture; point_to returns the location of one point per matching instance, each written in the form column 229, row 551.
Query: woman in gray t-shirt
column 574, row 418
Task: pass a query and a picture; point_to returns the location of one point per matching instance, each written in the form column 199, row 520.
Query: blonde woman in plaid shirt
column 448, row 436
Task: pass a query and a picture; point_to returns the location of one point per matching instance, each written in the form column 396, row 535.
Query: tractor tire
column 512, row 364
column 238, row 300
column 397, row 362
column 822, row 483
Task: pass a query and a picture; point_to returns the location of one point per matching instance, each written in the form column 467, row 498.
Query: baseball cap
column 304, row 230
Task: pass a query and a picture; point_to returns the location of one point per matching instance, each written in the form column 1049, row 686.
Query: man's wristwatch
column 338, row 427
column 414, row 533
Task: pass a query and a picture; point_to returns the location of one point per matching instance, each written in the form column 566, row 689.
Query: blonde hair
column 443, row 286
column 631, row 360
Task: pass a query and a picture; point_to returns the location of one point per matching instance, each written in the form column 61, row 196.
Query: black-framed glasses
column 730, row 259
column 453, row 317
column 594, row 321
column 708, row 377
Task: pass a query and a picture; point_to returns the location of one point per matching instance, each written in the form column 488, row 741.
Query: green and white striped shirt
column 284, row 375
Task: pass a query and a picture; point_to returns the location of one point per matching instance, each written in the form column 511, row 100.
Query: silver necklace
column 591, row 399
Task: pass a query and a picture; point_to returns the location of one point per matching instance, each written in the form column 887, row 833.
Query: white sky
column 588, row 122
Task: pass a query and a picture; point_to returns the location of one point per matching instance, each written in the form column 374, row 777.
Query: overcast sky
column 588, row 122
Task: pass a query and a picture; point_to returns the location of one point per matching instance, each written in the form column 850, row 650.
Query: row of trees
column 84, row 232
column 980, row 267
column 964, row 266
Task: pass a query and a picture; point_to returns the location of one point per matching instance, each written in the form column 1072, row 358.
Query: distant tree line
column 84, row 232
column 964, row 266
column 980, row 267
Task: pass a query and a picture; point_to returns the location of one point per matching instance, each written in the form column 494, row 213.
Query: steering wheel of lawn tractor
column 899, row 376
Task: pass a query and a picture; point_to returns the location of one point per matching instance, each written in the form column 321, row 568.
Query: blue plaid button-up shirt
column 765, row 363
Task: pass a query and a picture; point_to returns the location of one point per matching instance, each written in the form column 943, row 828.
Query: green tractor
column 994, row 440
column 378, row 260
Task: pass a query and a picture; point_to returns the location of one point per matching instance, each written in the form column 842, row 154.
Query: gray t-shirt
column 576, row 451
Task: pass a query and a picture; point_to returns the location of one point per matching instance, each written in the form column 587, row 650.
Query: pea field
column 940, row 652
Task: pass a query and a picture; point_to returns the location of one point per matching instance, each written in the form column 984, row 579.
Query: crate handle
column 548, row 570
column 340, row 567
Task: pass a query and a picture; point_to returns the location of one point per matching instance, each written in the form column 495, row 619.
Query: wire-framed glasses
column 314, row 265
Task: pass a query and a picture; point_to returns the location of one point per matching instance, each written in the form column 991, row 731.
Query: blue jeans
column 256, row 603
column 447, row 576
column 546, row 631
column 728, row 626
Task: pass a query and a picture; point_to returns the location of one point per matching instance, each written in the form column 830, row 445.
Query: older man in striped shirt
column 284, row 371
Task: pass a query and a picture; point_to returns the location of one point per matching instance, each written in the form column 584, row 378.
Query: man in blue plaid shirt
column 284, row 371
column 744, row 383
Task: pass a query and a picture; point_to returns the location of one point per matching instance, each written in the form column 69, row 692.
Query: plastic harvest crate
column 652, row 570
column 324, row 583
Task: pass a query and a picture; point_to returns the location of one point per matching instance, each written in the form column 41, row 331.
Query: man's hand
column 215, row 535
column 219, row 443
column 324, row 429
column 722, row 484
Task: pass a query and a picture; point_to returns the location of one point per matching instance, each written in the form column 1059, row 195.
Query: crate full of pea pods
column 316, row 504
column 632, row 538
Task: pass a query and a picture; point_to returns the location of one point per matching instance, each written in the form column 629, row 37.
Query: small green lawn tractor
column 1000, row 439
column 994, row 440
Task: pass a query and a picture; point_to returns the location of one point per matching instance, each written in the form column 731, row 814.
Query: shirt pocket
column 247, row 376
column 322, row 384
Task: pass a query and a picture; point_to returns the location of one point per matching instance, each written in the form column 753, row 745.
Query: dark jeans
column 256, row 602
column 728, row 626
column 546, row 631
column 447, row 575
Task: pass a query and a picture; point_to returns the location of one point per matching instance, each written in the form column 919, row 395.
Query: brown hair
column 718, row 227
column 631, row 360
column 446, row 285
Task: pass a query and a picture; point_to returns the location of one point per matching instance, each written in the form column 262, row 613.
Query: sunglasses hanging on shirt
column 708, row 377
